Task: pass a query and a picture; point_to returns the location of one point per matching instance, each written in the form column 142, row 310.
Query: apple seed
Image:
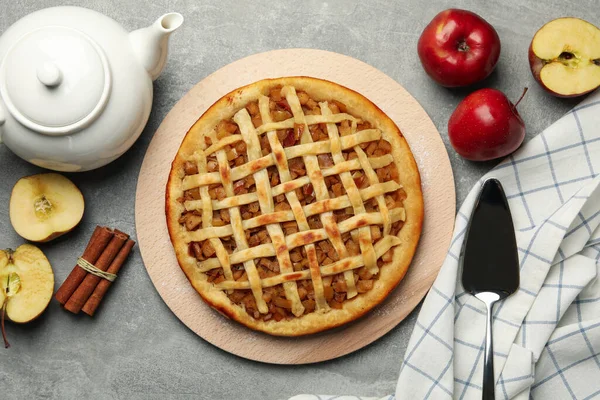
column 569, row 59
column 566, row 55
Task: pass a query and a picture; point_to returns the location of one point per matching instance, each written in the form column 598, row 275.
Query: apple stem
column 521, row 98
column 2, row 317
column 9, row 253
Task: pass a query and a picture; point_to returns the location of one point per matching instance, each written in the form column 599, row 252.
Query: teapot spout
column 151, row 43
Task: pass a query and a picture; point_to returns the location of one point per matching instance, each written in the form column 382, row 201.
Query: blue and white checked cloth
column 547, row 335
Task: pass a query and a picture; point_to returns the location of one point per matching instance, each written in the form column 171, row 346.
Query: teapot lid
column 55, row 80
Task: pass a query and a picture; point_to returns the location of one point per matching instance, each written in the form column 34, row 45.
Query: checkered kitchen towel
column 547, row 335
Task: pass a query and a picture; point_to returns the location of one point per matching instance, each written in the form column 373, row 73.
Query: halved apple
column 564, row 57
column 45, row 206
column 26, row 284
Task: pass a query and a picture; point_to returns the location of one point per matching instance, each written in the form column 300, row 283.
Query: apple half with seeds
column 564, row 56
column 45, row 206
column 26, row 285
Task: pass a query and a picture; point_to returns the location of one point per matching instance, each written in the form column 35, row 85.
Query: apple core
column 42, row 206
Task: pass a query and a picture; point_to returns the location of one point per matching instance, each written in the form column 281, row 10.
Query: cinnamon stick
column 93, row 302
column 100, row 238
column 89, row 283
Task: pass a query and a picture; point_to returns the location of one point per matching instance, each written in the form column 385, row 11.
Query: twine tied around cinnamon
column 92, row 269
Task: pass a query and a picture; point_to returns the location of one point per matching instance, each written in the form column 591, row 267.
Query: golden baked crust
column 389, row 275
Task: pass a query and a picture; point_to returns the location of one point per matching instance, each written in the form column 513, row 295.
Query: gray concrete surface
column 135, row 348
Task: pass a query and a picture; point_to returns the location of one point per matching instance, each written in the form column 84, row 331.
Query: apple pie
column 294, row 205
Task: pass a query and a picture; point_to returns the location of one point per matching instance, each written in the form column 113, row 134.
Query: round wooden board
column 438, row 191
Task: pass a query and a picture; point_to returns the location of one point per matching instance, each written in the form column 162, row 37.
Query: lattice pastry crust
column 257, row 225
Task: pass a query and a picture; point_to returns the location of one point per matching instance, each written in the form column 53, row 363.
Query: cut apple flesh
column 570, row 51
column 45, row 206
column 36, row 278
column 566, row 82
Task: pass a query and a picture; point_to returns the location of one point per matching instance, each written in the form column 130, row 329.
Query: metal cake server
column 490, row 262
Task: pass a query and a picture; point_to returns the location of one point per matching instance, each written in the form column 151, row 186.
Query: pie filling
column 309, row 248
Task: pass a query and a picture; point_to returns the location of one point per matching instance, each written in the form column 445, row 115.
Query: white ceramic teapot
column 75, row 87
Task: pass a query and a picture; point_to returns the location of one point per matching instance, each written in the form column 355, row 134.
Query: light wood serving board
column 438, row 191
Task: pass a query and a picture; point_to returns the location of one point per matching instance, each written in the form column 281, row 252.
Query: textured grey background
column 135, row 348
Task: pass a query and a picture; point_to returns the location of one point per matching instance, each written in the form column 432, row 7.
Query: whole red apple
column 458, row 48
column 486, row 125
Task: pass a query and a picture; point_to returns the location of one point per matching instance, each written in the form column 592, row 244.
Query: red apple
column 564, row 57
column 486, row 125
column 458, row 48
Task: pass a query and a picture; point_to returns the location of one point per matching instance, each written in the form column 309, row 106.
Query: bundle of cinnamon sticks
column 107, row 250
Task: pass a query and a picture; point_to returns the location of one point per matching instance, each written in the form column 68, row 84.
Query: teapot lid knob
column 49, row 74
